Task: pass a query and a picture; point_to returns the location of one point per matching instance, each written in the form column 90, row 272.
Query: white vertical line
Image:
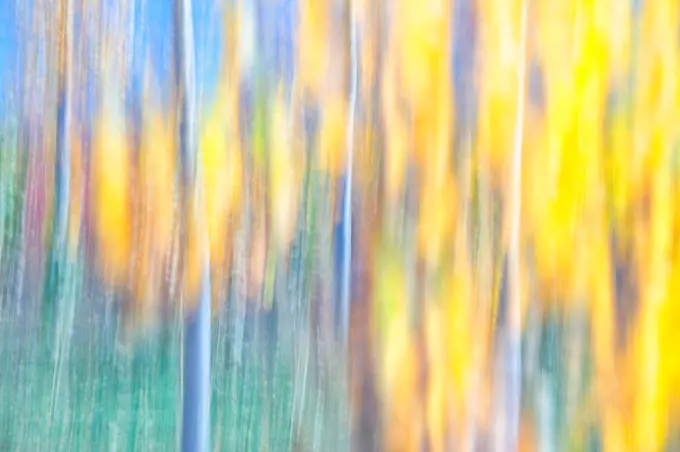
column 347, row 204
column 514, row 328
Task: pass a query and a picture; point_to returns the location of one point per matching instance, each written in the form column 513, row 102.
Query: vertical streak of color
column 64, row 126
column 514, row 390
column 196, row 372
column 347, row 201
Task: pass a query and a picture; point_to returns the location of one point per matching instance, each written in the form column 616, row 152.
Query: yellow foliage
column 462, row 351
column 500, row 41
column 396, row 141
column 400, row 386
column 433, row 134
column 496, row 129
column 155, row 215
column 398, row 362
column 437, row 383
column 582, row 185
column 111, row 177
column 651, row 350
column 437, row 218
column 422, row 37
column 651, row 398
column 670, row 342
column 285, row 174
column 313, row 51
column 619, row 37
column 570, row 175
column 157, row 181
column 621, row 187
column 221, row 187
column 332, row 139
column 222, row 168
column 555, row 29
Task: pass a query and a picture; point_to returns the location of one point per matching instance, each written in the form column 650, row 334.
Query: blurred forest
column 426, row 225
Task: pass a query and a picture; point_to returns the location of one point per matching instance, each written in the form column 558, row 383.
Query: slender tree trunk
column 196, row 353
